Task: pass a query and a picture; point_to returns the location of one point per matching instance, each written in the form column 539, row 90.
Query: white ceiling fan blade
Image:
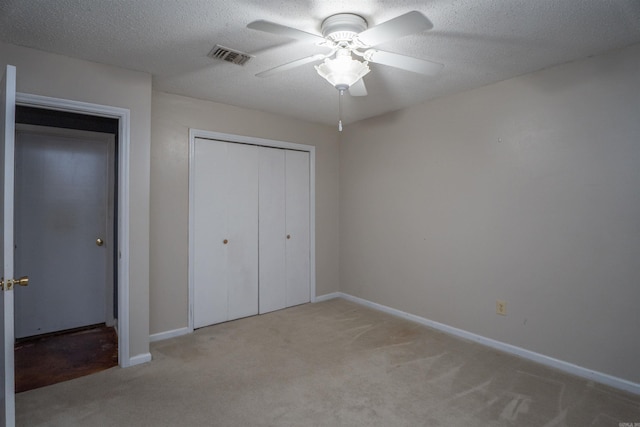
column 400, row 26
column 358, row 88
column 283, row 30
column 291, row 65
column 404, row 62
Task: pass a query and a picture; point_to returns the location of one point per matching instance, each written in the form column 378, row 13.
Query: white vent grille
column 229, row 55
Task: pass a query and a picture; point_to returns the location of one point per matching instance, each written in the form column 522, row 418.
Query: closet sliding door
column 225, row 245
column 272, row 230
column 297, row 216
column 283, row 228
column 242, row 246
column 250, row 233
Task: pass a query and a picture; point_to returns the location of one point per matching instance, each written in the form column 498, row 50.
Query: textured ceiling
column 478, row 41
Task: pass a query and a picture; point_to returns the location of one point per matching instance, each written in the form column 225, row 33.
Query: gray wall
column 527, row 190
column 42, row 73
column 172, row 117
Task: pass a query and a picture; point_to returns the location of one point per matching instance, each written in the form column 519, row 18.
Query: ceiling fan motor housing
column 343, row 27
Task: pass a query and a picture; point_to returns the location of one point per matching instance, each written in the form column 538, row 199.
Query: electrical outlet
column 501, row 307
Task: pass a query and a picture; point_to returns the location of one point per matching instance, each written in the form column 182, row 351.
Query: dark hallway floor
column 50, row 359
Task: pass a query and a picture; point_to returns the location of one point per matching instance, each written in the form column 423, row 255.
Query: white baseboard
column 508, row 348
column 169, row 334
column 327, row 297
column 139, row 359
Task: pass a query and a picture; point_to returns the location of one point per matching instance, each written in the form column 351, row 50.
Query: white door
column 272, row 230
column 250, row 230
column 242, row 232
column 62, row 225
column 225, row 231
column 209, row 252
column 284, row 228
column 298, row 231
column 7, row 125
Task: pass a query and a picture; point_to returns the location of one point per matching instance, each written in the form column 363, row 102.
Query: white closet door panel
column 210, row 225
column 297, row 224
column 242, row 184
column 272, row 230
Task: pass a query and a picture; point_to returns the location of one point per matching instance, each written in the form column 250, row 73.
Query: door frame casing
column 198, row 133
column 122, row 180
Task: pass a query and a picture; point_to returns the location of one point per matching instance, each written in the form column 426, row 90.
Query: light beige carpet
column 328, row 364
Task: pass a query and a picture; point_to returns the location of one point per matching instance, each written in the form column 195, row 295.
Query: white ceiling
column 478, row 41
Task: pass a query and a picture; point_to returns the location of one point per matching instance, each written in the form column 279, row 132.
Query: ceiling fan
column 346, row 35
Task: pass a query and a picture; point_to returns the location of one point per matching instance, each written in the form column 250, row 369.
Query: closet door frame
column 203, row 134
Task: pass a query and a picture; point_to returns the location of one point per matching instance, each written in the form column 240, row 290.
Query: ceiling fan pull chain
column 340, row 94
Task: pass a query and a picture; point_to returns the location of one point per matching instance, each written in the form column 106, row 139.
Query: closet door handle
column 288, row 236
column 225, row 241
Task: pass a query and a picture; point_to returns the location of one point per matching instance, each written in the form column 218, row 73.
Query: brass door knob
column 8, row 285
column 23, row 281
column 99, row 242
column 225, row 241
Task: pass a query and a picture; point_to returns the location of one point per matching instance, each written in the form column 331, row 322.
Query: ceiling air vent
column 229, row 55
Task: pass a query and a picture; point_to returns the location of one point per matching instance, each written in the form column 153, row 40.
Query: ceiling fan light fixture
column 343, row 70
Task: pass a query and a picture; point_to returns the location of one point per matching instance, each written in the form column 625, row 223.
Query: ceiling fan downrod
column 340, row 95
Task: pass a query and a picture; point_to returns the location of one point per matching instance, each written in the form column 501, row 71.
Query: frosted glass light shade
column 342, row 71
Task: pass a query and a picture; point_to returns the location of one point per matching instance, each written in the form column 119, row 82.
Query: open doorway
column 66, row 238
